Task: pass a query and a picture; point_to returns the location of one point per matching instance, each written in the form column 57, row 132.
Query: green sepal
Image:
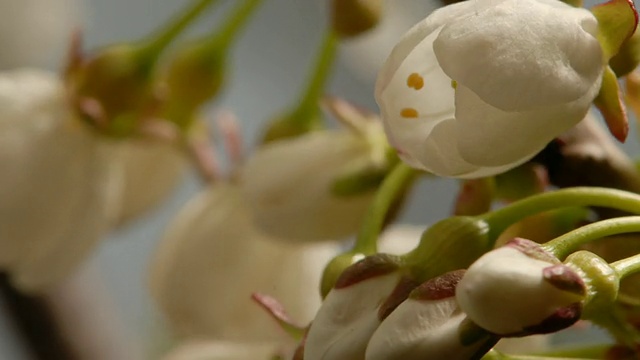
column 610, row 103
column 628, row 58
column 617, row 21
column 450, row 244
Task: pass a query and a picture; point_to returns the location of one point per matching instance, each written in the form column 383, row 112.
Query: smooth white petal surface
column 418, row 330
column 520, row 54
column 210, row 262
column 64, row 187
column 288, row 185
column 347, row 319
column 488, row 136
column 504, row 291
column 423, row 29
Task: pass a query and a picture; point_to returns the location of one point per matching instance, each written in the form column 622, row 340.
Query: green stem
column 389, row 191
column 224, row 36
column 626, row 267
column 309, row 101
column 564, row 245
column 163, row 37
column 502, row 218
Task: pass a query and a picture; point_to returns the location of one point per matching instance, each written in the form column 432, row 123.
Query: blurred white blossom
column 289, row 183
column 37, row 32
column 61, row 181
column 211, row 260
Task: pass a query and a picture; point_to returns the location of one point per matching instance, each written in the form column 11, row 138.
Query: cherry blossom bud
column 429, row 325
column 521, row 289
column 463, row 99
column 290, row 183
column 61, row 181
column 212, row 260
column 352, row 311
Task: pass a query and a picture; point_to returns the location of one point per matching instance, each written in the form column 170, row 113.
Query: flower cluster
column 292, row 250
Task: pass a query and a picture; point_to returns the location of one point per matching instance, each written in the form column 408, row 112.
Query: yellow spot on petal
column 409, row 113
column 415, row 81
column 454, row 84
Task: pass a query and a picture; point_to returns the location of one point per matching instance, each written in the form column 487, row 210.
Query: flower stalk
column 391, row 189
column 501, row 219
column 564, row 245
column 164, row 36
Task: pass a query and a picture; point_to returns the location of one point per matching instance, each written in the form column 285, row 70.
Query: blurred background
column 269, row 67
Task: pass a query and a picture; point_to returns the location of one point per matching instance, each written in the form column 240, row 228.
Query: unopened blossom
column 521, row 289
column 210, row 262
column 429, row 325
column 480, row 87
column 290, row 183
column 353, row 309
column 60, row 184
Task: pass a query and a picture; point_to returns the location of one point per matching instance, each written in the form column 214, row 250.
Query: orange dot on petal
column 409, row 113
column 415, row 81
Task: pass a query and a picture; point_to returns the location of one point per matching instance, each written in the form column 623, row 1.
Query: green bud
column 448, row 245
column 117, row 84
column 601, row 279
column 521, row 182
column 335, row 268
column 292, row 125
column 475, row 196
column 353, row 17
column 195, row 76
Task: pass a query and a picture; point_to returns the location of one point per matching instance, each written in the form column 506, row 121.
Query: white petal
column 522, row 54
column 210, row 262
column 418, row 330
column 427, row 105
column 488, row 136
column 416, row 35
column 63, row 190
column 347, row 319
column 439, row 154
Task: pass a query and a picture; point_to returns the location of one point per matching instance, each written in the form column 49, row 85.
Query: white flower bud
column 520, row 289
column 211, row 260
column 60, row 182
column 429, row 325
column 289, row 183
column 481, row 86
column 350, row 313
